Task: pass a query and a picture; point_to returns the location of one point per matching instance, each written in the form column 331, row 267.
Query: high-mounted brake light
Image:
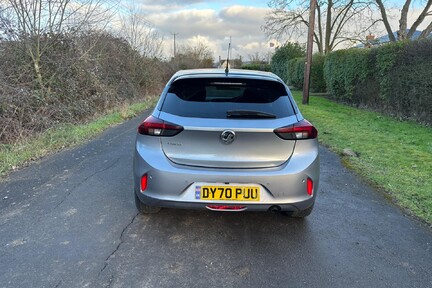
column 299, row 131
column 156, row 127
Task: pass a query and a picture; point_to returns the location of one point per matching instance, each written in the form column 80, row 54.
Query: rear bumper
column 171, row 185
column 203, row 205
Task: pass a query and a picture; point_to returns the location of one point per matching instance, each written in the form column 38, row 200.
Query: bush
column 395, row 79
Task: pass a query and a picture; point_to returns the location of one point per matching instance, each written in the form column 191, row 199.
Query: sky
column 213, row 22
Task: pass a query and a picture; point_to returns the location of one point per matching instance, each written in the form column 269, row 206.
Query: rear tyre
column 301, row 213
column 145, row 209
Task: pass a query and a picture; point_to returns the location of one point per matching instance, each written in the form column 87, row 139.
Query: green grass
column 396, row 156
column 63, row 136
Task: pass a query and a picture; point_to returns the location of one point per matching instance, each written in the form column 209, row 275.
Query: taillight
column 156, row 127
column 299, row 131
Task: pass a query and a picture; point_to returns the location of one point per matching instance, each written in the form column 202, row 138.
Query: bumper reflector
column 309, row 186
column 143, row 183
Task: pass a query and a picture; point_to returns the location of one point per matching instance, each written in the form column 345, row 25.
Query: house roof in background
column 386, row 39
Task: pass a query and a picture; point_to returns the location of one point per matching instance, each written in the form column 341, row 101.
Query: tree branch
column 419, row 19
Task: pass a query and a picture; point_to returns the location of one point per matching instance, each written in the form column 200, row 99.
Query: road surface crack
column 119, row 244
column 85, row 179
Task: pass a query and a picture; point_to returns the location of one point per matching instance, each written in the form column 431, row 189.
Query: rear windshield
column 215, row 97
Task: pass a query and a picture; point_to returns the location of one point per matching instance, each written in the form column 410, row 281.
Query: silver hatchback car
column 222, row 141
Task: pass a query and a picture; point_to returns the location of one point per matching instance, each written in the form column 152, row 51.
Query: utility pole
column 174, row 34
column 306, row 82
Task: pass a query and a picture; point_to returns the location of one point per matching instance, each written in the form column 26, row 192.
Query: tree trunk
column 320, row 30
column 327, row 48
column 402, row 33
column 318, row 36
column 385, row 20
column 36, row 63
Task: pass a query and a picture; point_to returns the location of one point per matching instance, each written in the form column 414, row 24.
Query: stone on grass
column 350, row 153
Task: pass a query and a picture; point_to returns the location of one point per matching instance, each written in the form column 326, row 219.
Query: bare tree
column 197, row 56
column 338, row 21
column 140, row 33
column 404, row 32
column 7, row 28
column 258, row 58
column 40, row 24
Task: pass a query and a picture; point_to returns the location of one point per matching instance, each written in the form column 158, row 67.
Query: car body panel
column 201, row 145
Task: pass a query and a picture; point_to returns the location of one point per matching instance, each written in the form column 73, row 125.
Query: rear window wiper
column 249, row 114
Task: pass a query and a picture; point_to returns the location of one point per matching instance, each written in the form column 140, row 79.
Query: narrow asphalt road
column 70, row 221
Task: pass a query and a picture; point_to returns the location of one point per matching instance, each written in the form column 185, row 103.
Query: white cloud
column 171, row 2
column 164, row 6
column 149, row 9
column 244, row 14
column 243, row 23
column 187, row 23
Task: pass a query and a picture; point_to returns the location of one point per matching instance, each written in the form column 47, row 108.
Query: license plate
column 236, row 193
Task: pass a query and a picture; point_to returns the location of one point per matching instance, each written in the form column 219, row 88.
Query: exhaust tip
column 275, row 209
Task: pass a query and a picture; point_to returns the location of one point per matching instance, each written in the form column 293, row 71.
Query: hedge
column 260, row 67
column 295, row 68
column 345, row 71
column 81, row 76
column 395, row 78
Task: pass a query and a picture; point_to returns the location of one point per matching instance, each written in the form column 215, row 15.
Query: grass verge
column 396, row 156
column 16, row 155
